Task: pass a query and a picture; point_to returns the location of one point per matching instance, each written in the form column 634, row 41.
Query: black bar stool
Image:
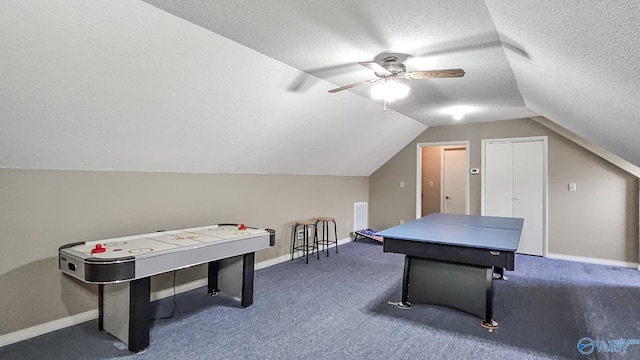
column 306, row 225
column 325, row 240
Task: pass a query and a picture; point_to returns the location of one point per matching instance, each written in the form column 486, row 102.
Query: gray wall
column 600, row 220
column 42, row 210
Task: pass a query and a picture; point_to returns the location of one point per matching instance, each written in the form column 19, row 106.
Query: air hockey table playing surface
column 133, row 257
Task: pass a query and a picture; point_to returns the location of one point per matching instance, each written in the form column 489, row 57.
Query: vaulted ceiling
column 242, row 86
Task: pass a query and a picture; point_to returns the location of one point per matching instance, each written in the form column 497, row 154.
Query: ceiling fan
column 390, row 69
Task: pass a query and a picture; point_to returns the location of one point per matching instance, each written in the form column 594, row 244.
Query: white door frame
column 545, row 180
column 419, row 147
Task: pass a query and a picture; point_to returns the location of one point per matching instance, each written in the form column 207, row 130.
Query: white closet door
column 528, row 193
column 514, row 187
column 498, row 185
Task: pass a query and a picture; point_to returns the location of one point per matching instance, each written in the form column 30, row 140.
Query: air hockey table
column 450, row 260
column 122, row 267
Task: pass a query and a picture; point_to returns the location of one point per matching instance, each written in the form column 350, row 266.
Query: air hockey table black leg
column 139, row 314
column 212, row 278
column 137, row 334
column 247, row 279
column 101, row 308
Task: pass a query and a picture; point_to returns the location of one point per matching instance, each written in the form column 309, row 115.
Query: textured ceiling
column 574, row 62
column 584, row 70
column 328, row 38
column 241, row 86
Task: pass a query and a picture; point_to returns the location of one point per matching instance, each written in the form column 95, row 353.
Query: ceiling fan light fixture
column 390, row 91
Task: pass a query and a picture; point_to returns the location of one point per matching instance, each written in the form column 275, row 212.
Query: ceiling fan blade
column 375, row 67
column 353, row 85
column 434, row 74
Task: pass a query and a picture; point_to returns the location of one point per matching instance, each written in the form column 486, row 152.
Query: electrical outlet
column 300, row 234
column 401, row 222
column 347, row 224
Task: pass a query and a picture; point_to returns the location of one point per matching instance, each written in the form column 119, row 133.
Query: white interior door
column 498, row 180
column 528, row 191
column 454, row 174
column 424, row 185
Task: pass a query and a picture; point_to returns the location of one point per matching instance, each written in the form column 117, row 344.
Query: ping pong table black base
column 452, row 276
column 462, row 287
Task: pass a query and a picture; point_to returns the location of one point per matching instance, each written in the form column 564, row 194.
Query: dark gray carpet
column 336, row 308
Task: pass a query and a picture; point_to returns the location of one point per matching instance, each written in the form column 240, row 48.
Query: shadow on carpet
column 535, row 315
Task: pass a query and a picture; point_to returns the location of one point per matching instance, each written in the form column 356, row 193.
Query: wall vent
column 360, row 216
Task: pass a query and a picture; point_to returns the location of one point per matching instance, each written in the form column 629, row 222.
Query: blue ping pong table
column 450, row 260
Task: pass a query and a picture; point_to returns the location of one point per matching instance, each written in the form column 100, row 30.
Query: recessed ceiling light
column 459, row 111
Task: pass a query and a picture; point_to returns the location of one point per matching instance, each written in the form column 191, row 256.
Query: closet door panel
column 528, row 193
column 498, row 185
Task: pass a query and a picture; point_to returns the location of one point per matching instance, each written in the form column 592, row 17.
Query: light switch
column 573, row 187
column 401, row 183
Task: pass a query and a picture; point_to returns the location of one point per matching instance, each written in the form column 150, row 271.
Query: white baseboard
column 283, row 258
column 50, row 326
column 596, row 261
column 76, row 319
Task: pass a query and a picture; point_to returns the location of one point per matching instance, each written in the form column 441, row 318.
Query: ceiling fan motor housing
column 392, row 65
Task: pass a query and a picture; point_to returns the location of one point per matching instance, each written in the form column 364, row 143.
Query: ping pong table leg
column 488, row 321
column 404, row 303
column 499, row 271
